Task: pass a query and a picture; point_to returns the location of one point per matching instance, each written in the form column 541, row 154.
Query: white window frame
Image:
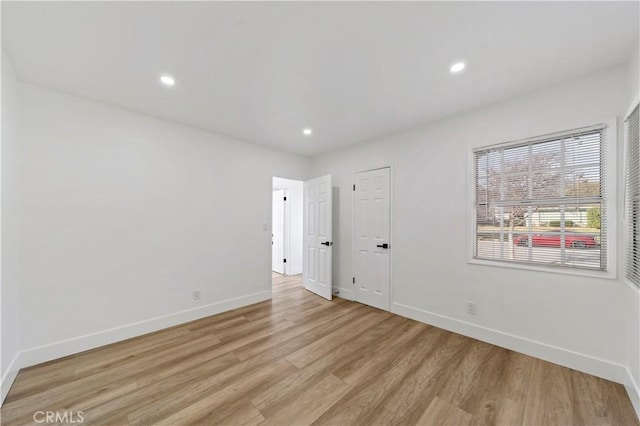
column 610, row 153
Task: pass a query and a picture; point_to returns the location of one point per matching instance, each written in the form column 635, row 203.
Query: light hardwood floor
column 300, row 359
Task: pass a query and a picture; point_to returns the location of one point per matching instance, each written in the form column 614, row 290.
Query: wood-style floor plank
column 316, row 400
column 440, row 412
column 288, row 389
column 417, row 390
column 368, row 396
column 300, row 359
column 549, row 400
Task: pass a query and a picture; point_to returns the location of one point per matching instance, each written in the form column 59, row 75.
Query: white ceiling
column 352, row 71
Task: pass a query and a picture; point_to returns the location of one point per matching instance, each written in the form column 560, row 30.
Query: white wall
column 571, row 320
column 293, row 206
column 123, row 215
column 633, row 75
column 9, row 293
column 632, row 307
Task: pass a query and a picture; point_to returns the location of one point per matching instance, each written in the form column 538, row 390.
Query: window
column 633, row 196
column 541, row 201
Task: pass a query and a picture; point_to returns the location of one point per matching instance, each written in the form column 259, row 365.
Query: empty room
column 328, row 213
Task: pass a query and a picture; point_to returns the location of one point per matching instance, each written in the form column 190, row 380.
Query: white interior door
column 317, row 236
column 277, row 232
column 371, row 238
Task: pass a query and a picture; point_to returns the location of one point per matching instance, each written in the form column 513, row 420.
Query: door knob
column 384, row 246
column 327, row 243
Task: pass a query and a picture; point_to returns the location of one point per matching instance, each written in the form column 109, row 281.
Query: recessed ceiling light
column 167, row 80
column 457, row 67
column 307, row 131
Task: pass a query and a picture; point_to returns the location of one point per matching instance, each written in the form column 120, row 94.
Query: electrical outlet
column 472, row 308
column 196, row 294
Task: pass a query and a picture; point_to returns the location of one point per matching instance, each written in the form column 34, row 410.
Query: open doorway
column 286, row 234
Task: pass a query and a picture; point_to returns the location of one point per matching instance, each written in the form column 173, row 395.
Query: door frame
column 391, row 222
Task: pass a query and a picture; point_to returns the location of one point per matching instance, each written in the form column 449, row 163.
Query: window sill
column 610, row 275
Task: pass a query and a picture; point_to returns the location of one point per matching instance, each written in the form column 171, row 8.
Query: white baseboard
column 633, row 390
column 9, row 377
column 567, row 358
column 75, row 345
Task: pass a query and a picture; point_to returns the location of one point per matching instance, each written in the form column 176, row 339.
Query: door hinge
column 284, row 261
column 285, row 198
column 354, row 186
column 354, row 280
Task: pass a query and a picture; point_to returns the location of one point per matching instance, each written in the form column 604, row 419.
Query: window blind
column 542, row 201
column 632, row 131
